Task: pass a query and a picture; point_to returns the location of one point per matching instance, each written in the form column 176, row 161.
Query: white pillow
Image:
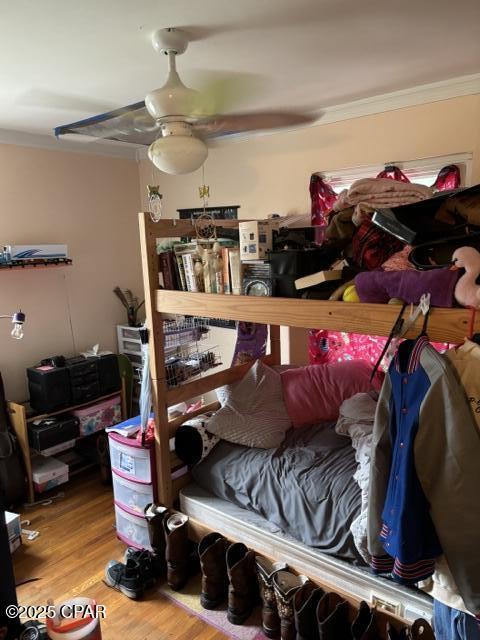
column 253, row 412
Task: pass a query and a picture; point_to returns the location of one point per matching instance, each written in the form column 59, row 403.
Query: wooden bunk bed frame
column 445, row 325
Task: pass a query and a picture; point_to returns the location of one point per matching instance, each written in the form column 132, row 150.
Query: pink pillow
column 314, row 394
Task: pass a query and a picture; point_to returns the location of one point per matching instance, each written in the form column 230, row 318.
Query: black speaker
column 108, row 373
column 49, row 387
column 84, row 382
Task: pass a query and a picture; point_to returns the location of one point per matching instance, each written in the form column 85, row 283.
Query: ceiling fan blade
column 235, row 124
column 129, row 124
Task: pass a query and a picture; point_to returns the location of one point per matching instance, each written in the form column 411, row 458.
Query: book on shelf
column 189, row 270
column 167, row 274
column 227, row 285
column 318, row 278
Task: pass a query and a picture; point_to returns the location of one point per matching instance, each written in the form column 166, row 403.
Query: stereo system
column 59, row 382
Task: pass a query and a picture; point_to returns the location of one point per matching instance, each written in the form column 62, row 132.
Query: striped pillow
column 253, row 412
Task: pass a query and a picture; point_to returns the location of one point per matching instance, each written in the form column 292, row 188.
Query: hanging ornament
column 204, row 192
column 204, row 225
column 154, row 202
column 205, row 228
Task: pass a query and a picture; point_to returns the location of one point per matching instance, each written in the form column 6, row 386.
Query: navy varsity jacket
column 424, row 494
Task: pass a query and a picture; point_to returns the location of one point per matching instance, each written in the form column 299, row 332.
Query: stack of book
column 207, row 266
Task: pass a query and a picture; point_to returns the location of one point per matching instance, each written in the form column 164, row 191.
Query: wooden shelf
column 36, row 265
column 445, row 325
column 40, row 416
column 20, row 420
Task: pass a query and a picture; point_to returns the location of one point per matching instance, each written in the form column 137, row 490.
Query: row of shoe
column 172, row 555
column 293, row 607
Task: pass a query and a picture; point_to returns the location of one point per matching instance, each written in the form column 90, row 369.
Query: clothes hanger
column 423, row 307
column 401, row 326
column 395, row 330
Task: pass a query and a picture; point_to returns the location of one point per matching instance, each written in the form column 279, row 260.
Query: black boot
column 332, row 618
column 155, row 515
column 305, row 603
column 212, row 552
column 154, row 562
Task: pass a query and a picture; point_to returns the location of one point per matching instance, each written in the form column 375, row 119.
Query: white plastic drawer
column 129, row 333
column 132, row 495
column 133, row 530
column 130, row 345
column 130, row 462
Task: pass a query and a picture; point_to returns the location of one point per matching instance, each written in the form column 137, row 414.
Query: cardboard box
column 14, row 530
column 48, row 473
column 256, row 238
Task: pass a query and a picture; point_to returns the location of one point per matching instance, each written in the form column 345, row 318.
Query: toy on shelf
column 467, row 291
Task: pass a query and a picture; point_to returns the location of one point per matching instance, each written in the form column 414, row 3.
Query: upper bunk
column 445, row 325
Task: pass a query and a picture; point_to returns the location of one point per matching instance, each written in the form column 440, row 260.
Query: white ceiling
column 64, row 60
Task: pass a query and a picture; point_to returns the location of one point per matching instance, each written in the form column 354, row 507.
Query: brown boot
column 212, row 551
column 265, row 572
column 177, row 550
column 364, row 627
column 242, row 588
column 305, row 603
column 332, row 618
column 421, row 630
column 286, row 584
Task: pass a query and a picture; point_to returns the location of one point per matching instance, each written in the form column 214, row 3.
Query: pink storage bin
column 99, row 415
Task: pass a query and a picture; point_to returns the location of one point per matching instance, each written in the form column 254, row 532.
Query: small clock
column 257, row 286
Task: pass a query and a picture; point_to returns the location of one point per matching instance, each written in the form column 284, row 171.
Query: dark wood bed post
column 148, row 243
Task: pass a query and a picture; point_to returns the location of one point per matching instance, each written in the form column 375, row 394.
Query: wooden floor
column 76, row 540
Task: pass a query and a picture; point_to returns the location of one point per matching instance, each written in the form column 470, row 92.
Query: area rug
column 189, row 599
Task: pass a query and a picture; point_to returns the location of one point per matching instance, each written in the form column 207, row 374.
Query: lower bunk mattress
column 241, row 525
column 305, row 487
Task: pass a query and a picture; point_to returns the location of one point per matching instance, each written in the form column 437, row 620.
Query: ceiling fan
column 175, row 120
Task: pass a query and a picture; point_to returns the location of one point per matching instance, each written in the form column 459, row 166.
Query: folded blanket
column 369, row 194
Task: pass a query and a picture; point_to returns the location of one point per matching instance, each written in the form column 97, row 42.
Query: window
column 423, row 171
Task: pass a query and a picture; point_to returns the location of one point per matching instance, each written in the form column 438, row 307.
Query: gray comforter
column 305, row 487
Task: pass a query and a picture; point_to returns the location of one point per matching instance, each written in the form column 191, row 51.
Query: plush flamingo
column 467, row 291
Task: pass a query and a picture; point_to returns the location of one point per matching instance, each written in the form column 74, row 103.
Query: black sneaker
column 125, row 578
column 150, row 567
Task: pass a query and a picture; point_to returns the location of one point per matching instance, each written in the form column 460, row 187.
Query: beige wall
column 270, row 174
column 90, row 203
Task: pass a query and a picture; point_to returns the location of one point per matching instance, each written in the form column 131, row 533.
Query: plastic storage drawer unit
column 133, row 530
column 129, row 459
column 131, row 496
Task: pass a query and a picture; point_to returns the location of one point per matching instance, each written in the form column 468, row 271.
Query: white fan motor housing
column 170, row 40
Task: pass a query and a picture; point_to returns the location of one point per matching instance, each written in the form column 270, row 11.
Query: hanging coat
column 424, row 493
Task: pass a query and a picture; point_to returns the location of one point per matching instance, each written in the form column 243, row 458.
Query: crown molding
column 421, row 94
column 76, row 145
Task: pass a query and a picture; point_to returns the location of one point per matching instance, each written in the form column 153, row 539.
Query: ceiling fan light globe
column 178, row 154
